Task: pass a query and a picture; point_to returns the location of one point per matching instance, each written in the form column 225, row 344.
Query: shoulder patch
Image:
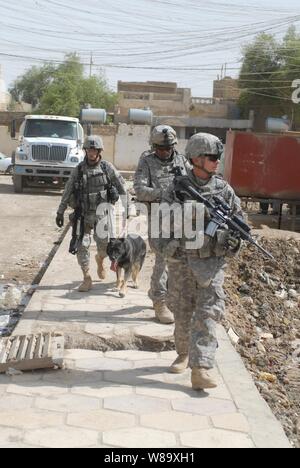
column 220, row 182
column 148, row 153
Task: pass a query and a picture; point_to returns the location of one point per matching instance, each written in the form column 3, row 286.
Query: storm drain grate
column 29, row 352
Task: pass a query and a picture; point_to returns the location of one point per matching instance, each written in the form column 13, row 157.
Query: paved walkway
column 123, row 398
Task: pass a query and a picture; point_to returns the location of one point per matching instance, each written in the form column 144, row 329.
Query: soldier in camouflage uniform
column 96, row 174
column 196, row 277
column 153, row 179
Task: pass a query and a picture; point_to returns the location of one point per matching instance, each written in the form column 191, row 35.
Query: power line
column 141, row 39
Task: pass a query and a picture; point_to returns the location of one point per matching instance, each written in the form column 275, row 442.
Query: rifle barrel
column 226, row 219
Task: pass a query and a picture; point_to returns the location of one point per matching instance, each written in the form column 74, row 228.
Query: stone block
column 139, row 438
column 101, row 420
column 204, row 406
column 216, row 438
column 62, row 437
column 30, row 419
column 175, row 422
column 233, row 422
column 68, row 403
column 136, row 404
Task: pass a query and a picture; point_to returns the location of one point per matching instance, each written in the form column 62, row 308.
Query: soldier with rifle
column 196, row 276
column 93, row 182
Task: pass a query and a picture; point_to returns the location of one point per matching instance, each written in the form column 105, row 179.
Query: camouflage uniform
column 94, row 182
column 196, row 278
column 153, row 180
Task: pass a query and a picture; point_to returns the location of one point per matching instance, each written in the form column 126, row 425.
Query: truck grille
column 49, row 153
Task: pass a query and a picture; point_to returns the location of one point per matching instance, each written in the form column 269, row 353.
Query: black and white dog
column 127, row 254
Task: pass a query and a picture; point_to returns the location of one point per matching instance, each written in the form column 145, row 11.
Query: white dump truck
column 50, row 147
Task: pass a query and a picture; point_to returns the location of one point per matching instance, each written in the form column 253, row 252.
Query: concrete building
column 175, row 106
column 161, row 97
column 4, row 95
column 226, row 89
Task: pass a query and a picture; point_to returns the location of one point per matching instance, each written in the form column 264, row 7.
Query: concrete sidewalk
column 124, row 398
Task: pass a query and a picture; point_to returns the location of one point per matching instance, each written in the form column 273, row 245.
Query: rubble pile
column 263, row 321
column 13, row 300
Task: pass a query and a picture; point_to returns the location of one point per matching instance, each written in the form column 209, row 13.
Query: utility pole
column 91, row 64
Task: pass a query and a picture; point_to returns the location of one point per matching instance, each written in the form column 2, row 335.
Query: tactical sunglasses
column 213, row 157
column 164, row 147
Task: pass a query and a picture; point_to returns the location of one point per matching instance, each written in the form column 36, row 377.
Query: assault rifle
column 77, row 231
column 77, row 218
column 219, row 211
column 112, row 193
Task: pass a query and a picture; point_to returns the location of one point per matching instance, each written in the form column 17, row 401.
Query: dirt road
column 27, row 231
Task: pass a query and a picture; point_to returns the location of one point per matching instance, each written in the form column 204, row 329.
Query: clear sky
column 187, row 41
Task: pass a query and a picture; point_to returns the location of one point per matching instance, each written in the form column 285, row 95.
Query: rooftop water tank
column 140, row 116
column 277, row 124
column 93, row 116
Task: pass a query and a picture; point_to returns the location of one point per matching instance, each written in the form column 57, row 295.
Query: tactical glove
column 60, row 220
column 233, row 241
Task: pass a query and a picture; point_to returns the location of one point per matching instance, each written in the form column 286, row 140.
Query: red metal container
column 263, row 165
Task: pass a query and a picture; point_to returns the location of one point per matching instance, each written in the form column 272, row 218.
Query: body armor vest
column 94, row 183
column 161, row 175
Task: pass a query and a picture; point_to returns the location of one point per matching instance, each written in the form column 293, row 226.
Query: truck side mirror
column 13, row 129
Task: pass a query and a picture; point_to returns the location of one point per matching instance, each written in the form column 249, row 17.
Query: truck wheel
column 18, row 183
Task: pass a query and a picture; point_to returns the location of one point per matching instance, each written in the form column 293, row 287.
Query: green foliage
column 60, row 98
column 63, row 89
column 269, row 68
column 94, row 90
column 32, row 85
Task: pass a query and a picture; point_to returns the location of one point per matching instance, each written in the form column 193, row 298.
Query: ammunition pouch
column 112, row 195
column 100, row 197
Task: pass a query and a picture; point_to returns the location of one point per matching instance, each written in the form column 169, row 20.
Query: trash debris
column 13, row 299
column 293, row 294
column 4, row 320
column 263, row 310
column 4, row 331
column 13, row 372
column 281, row 294
column 234, row 338
column 268, row 377
column 266, row 336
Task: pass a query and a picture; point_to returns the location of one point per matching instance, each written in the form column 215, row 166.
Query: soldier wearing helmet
column 152, row 182
column 204, row 151
column 196, row 277
column 92, row 176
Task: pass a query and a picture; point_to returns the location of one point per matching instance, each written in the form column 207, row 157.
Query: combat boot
column 162, row 313
column 100, row 270
column 87, row 282
column 201, row 379
column 180, row 364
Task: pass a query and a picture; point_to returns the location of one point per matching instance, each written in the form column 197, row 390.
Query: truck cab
column 50, row 148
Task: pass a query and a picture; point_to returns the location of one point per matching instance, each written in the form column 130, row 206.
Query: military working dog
column 127, row 254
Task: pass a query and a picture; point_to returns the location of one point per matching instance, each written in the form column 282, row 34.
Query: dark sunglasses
column 213, row 157
column 164, row 148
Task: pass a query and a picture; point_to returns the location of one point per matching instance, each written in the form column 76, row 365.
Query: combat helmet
column 203, row 144
column 93, row 142
column 163, row 135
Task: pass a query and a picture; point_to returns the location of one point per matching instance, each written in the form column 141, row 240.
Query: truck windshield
column 51, row 129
